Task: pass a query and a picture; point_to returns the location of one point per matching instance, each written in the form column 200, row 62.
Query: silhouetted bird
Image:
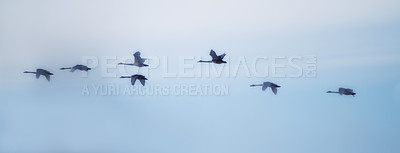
column 77, row 67
column 41, row 72
column 265, row 85
column 215, row 59
column 343, row 91
column 138, row 61
column 135, row 77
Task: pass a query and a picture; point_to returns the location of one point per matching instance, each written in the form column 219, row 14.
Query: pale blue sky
column 356, row 44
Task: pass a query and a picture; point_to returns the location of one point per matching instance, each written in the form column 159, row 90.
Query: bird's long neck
column 332, row 92
column 64, row 68
column 125, row 77
column 205, row 61
column 124, row 63
column 30, row 72
column 253, row 85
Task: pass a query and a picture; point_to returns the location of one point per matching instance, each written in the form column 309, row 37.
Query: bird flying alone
column 77, row 67
column 343, row 91
column 215, row 59
column 139, row 61
column 41, row 72
column 265, row 85
column 135, row 77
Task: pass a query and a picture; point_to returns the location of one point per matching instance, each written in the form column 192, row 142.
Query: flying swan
column 215, row 59
column 265, row 85
column 139, row 61
column 77, row 67
column 135, row 77
column 41, row 72
column 343, row 91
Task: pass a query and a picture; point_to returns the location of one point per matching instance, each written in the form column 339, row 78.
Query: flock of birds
column 139, row 62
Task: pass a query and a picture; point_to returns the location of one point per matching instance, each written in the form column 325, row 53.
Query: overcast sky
column 356, row 44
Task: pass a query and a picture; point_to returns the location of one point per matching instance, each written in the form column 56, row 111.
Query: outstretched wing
column 264, row 87
column 47, row 77
column 142, row 81
column 76, row 67
column 222, row 56
column 274, row 90
column 213, row 55
column 133, row 80
column 138, row 59
column 37, row 75
column 341, row 91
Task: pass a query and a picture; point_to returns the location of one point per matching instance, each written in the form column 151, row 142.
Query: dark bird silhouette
column 215, row 59
column 343, row 91
column 77, row 67
column 135, row 77
column 265, row 85
column 41, row 72
column 139, row 61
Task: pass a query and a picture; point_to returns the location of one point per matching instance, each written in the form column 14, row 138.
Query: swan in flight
column 265, row 85
column 343, row 91
column 135, row 77
column 139, row 61
column 215, row 59
column 41, row 72
column 77, row 67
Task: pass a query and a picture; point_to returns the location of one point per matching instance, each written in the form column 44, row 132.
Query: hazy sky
column 356, row 44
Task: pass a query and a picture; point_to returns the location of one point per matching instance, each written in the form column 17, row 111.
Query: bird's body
column 135, row 77
column 265, row 85
column 215, row 59
column 139, row 61
column 77, row 67
column 343, row 91
column 41, row 72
